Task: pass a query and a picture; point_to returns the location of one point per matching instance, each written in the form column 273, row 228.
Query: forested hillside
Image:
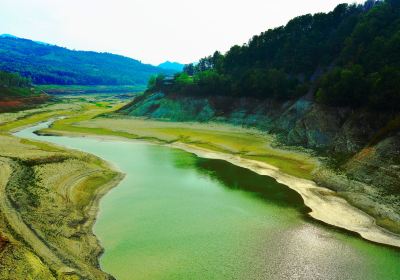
column 48, row 64
column 349, row 57
column 16, row 93
column 13, row 80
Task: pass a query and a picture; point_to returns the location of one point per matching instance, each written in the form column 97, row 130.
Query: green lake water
column 177, row 216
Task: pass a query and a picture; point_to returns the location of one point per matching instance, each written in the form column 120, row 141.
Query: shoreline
column 326, row 206
column 61, row 262
column 93, row 209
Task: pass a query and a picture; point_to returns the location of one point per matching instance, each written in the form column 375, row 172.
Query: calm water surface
column 176, row 216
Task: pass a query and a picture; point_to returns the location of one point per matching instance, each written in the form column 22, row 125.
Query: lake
column 177, row 216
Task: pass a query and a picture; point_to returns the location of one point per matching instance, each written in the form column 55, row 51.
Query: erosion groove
column 48, row 204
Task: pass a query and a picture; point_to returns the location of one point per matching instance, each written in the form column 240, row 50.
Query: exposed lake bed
column 177, row 216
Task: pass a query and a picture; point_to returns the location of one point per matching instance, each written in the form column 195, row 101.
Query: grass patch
column 292, row 166
column 41, row 145
column 81, row 89
column 18, row 92
column 249, row 144
column 84, row 192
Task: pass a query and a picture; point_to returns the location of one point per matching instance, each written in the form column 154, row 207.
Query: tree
column 348, row 57
column 189, row 69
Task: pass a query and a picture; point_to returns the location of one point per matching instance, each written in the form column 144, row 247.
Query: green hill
column 349, row 57
column 49, row 64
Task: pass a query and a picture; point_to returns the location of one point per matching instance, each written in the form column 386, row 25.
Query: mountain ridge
column 49, row 64
column 172, row 65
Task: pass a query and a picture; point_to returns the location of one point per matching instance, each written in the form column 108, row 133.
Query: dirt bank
column 48, row 204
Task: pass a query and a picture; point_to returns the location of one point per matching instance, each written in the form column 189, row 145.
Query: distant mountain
column 7, row 36
column 175, row 66
column 15, row 37
column 49, row 64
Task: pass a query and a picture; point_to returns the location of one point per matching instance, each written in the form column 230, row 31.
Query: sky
column 152, row 31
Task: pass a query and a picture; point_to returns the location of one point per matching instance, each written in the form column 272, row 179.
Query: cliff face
column 361, row 148
column 300, row 122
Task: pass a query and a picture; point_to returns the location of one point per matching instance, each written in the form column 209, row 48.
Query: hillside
column 348, row 57
column 49, row 64
column 327, row 82
column 17, row 93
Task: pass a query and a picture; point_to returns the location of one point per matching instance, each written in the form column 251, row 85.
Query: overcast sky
column 151, row 30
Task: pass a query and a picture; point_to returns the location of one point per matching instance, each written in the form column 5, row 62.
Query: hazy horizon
column 151, row 31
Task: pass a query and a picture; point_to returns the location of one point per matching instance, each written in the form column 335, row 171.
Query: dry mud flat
column 48, row 204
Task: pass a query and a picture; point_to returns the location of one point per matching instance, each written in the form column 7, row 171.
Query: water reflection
column 237, row 178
